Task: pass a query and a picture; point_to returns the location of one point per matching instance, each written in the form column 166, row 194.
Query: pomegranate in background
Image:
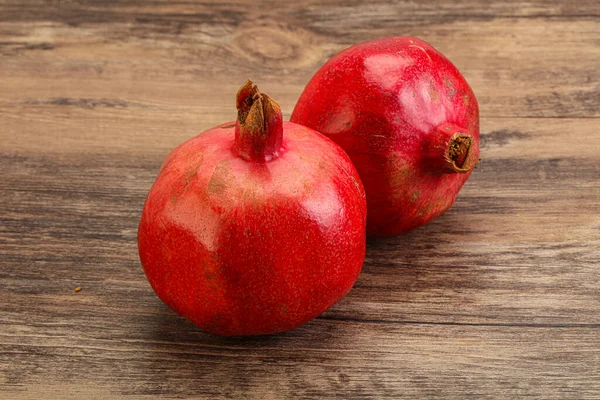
column 408, row 120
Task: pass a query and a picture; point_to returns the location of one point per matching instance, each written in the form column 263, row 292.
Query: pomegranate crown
column 259, row 125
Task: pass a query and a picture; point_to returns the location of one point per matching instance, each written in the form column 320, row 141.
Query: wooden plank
column 350, row 360
column 506, row 61
column 364, row 15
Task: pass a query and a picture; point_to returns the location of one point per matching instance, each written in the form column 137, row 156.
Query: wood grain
column 499, row 298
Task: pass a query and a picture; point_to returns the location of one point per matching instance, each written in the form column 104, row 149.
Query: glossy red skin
column 247, row 248
column 381, row 101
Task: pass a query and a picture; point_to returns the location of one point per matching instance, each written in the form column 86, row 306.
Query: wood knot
column 277, row 47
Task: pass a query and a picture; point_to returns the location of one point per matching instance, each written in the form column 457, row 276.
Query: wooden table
column 499, row 298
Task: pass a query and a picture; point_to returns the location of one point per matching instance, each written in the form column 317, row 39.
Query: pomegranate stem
column 259, row 125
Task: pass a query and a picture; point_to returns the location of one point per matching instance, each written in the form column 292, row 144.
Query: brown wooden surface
column 499, row 298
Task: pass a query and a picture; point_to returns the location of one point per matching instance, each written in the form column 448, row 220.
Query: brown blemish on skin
column 433, row 94
column 415, row 196
column 447, row 204
column 426, row 211
column 400, row 174
column 216, row 186
column 192, row 173
column 308, row 187
column 190, row 176
column 210, row 275
column 221, row 176
column 208, row 272
column 253, row 195
column 466, row 98
column 439, row 203
column 167, row 253
column 450, row 86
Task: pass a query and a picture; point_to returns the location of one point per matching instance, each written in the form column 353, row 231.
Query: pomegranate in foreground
column 408, row 120
column 255, row 226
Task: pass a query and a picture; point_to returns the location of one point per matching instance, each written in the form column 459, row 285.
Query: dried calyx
column 450, row 149
column 259, row 125
column 458, row 153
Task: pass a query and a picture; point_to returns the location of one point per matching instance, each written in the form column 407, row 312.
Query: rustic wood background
column 499, row 298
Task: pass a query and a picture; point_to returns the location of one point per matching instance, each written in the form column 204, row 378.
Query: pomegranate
column 408, row 120
column 255, row 226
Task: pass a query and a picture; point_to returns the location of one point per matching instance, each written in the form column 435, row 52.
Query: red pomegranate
column 255, row 226
column 408, row 120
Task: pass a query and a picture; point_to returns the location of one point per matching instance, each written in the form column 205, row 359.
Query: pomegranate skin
column 248, row 247
column 408, row 120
